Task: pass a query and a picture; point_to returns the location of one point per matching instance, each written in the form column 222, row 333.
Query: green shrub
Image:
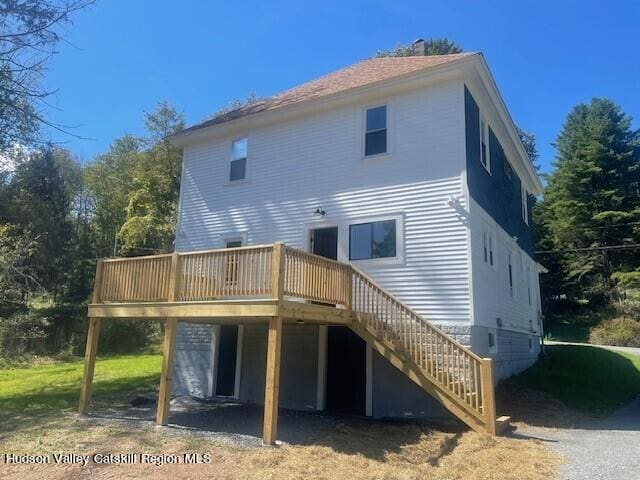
column 621, row 331
column 22, row 332
column 127, row 336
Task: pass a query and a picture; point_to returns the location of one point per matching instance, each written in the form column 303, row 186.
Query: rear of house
column 408, row 168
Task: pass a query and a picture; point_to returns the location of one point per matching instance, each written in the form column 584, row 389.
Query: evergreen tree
column 40, row 199
column 591, row 199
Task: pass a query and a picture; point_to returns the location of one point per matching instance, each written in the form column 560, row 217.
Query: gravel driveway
column 608, row 449
column 631, row 350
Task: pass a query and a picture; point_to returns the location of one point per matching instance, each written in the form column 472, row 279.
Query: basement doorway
column 346, row 371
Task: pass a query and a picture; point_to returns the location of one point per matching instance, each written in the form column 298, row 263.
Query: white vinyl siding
column 492, row 298
column 316, row 160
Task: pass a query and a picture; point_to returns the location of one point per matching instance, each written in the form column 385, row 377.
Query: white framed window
column 233, row 239
column 510, row 274
column 485, row 154
column 488, row 243
column 529, row 284
column 232, row 262
column 525, row 204
column 373, row 240
column 375, row 132
column 485, row 247
column 238, row 160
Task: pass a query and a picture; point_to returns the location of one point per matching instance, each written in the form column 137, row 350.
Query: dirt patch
column 334, row 448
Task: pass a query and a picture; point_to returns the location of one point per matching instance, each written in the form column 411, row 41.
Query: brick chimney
column 419, row 48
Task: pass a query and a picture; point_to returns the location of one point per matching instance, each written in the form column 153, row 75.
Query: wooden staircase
column 455, row 376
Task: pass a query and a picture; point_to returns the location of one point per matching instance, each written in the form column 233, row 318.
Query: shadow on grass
column 572, row 386
column 23, row 409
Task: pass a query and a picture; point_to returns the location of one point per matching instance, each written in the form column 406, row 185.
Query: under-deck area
column 275, row 285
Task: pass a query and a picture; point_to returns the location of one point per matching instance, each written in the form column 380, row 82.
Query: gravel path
column 603, row 450
column 632, row 350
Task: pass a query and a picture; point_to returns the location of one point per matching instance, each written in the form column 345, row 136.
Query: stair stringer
column 407, row 366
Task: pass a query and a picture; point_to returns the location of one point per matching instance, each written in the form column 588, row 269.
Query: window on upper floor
column 510, row 272
column 525, row 205
column 487, row 247
column 485, row 157
column 372, row 240
column 375, row 135
column 529, row 283
column 508, row 170
column 238, row 160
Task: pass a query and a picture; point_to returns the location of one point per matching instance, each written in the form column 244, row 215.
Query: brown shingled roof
column 357, row 75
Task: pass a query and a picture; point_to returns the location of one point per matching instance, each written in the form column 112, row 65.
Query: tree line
column 58, row 216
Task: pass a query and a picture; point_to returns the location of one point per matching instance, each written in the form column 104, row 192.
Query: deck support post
column 93, row 335
column 488, row 395
column 272, row 383
column 164, row 396
column 277, row 271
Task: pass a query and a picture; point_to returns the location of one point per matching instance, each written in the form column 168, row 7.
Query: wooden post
column 89, row 364
column 349, row 289
column 164, row 396
column 272, row 384
column 175, row 280
column 93, row 334
column 488, row 395
column 277, row 271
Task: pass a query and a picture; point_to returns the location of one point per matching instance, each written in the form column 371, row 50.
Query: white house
column 408, row 168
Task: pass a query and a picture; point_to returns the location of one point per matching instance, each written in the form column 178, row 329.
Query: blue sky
column 122, row 57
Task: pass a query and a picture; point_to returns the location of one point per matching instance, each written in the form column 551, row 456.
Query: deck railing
column 316, row 278
column 277, row 272
column 224, row 274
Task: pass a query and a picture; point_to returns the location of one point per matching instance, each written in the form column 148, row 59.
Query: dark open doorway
column 346, row 371
column 324, row 242
column 227, row 356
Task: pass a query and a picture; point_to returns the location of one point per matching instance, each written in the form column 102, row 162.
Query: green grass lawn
column 27, row 391
column 590, row 380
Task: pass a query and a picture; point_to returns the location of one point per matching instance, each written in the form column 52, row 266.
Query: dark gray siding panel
column 496, row 193
column 395, row 395
column 299, row 365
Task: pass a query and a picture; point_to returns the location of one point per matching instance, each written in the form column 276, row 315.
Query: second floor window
column 375, row 136
column 487, row 247
column 510, row 266
column 372, row 240
column 484, row 144
column 525, row 205
column 238, row 162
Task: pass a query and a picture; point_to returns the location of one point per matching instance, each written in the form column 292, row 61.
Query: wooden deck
column 277, row 284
